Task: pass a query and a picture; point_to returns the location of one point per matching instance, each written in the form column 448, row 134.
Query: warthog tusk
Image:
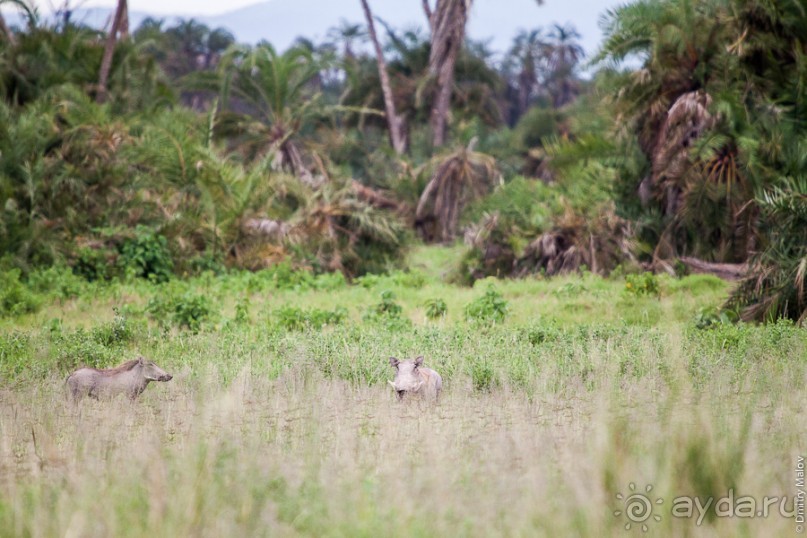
column 391, row 384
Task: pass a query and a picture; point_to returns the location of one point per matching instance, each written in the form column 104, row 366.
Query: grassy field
column 559, row 394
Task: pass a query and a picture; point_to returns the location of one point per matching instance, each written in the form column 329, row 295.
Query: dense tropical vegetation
column 172, row 149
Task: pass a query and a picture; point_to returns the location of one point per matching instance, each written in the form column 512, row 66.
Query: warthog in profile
column 414, row 378
column 130, row 378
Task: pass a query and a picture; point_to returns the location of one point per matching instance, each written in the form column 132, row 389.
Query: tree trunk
column 448, row 31
column 429, row 14
column 120, row 23
column 393, row 121
column 726, row 271
column 6, row 31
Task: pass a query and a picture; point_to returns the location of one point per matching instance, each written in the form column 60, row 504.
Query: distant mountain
column 281, row 21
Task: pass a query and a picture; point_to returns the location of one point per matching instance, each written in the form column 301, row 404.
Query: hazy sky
column 569, row 9
column 495, row 19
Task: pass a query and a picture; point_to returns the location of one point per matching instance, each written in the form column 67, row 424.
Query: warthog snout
column 414, row 378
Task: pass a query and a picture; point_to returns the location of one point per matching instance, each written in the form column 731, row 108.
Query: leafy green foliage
column 490, row 308
column 183, row 308
column 15, row 297
column 436, row 308
column 81, row 348
column 386, row 308
column 15, row 354
column 709, row 318
column 642, row 284
column 146, row 255
column 483, row 376
column 115, row 333
column 293, row 318
column 777, row 285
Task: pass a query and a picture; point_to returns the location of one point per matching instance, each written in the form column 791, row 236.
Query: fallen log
column 726, row 271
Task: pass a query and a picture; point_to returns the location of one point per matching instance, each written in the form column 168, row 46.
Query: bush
column 116, row 332
column 58, row 281
column 242, row 311
column 80, row 348
column 95, row 264
column 709, row 318
column 15, row 354
column 297, row 319
column 490, row 308
column 185, row 310
column 15, row 297
column 146, row 255
column 387, row 308
column 404, row 279
column 285, row 277
column 483, row 376
column 642, row 284
column 436, row 308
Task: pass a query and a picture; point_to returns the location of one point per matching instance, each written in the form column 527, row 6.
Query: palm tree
column 270, row 102
column 524, row 59
column 30, row 13
column 347, row 34
column 668, row 100
column 458, row 178
column 777, row 282
column 346, row 232
column 187, row 43
column 218, row 41
column 563, row 53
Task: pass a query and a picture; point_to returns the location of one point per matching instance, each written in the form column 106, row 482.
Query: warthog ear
column 141, row 359
column 419, row 361
column 393, row 361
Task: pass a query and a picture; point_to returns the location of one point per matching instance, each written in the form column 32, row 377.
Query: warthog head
column 152, row 372
column 407, row 376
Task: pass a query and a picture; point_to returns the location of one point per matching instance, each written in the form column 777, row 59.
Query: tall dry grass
column 309, row 456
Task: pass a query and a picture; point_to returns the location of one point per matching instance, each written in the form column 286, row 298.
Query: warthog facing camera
column 414, row 378
column 130, row 378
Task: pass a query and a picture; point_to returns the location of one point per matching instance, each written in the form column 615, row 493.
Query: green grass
column 277, row 425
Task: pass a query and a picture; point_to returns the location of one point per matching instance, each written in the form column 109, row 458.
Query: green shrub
column 540, row 334
column 436, row 308
column 330, row 281
column 80, row 348
column 146, row 255
column 15, row 297
column 185, row 310
column 285, row 277
column 15, row 354
column 95, row 264
column 58, row 281
column 293, row 318
column 490, row 308
column 206, row 262
column 483, row 376
column 387, row 308
column 117, row 332
column 242, row 310
column 710, row 317
column 642, row 284
column 191, row 311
